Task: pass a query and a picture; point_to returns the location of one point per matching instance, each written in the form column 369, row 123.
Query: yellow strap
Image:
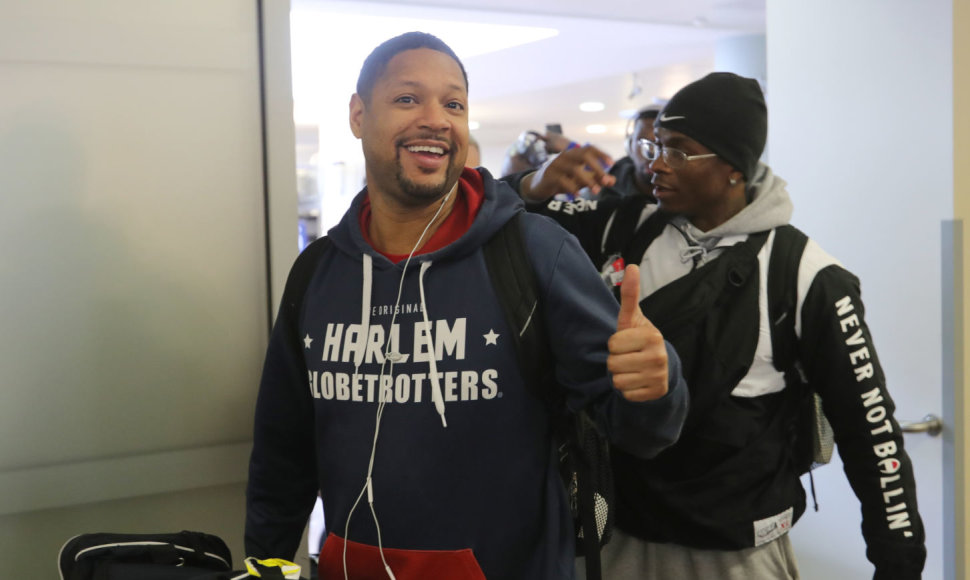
column 289, row 569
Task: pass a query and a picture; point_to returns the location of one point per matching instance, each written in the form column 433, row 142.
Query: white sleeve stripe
column 814, row 260
column 606, row 234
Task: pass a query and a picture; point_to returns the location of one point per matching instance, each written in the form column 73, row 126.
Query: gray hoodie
column 682, row 247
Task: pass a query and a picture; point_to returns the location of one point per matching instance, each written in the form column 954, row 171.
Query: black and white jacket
column 729, row 483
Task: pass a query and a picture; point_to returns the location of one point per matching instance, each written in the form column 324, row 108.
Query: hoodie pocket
column 364, row 562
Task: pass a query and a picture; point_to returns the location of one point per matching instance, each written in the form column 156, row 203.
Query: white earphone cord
column 368, row 482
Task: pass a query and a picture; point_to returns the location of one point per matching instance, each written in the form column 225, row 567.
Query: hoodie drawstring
column 695, row 253
column 436, row 397
column 364, row 311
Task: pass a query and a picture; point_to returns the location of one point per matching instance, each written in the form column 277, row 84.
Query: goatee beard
column 420, row 195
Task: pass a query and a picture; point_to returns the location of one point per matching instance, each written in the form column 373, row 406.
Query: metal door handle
column 931, row 425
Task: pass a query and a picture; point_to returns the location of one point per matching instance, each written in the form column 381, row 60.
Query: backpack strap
column 587, row 474
column 647, row 232
column 786, row 255
column 516, row 287
column 624, row 225
column 625, row 238
column 300, row 274
column 291, row 304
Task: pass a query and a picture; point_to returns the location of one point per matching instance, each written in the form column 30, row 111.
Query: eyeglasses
column 675, row 158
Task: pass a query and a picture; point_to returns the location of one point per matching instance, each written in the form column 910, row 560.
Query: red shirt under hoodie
column 471, row 193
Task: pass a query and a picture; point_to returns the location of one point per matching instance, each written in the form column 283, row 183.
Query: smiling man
column 392, row 383
column 762, row 319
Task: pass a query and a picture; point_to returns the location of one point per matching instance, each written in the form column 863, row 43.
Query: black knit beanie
column 724, row 112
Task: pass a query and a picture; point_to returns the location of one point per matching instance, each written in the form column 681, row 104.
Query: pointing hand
column 569, row 172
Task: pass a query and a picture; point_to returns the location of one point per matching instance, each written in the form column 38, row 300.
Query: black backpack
column 813, row 438
column 584, row 450
column 181, row 555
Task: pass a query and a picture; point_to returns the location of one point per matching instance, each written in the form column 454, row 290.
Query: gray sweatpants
column 626, row 557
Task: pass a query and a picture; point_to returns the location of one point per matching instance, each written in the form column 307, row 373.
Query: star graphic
column 307, row 340
column 491, row 337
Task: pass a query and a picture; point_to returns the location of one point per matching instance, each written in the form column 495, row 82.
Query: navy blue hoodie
column 488, row 481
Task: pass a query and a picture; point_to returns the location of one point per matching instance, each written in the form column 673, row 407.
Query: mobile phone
column 554, row 128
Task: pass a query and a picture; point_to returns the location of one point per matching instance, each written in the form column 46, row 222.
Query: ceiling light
column 591, row 107
column 596, row 129
column 473, row 125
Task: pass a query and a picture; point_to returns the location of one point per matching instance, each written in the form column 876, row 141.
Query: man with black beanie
column 763, row 320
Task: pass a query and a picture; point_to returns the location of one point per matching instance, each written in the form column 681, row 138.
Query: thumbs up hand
column 638, row 354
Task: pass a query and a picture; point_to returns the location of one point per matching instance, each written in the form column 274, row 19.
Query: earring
column 732, row 181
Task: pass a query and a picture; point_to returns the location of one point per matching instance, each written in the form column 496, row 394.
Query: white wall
column 134, row 302
column 860, row 125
